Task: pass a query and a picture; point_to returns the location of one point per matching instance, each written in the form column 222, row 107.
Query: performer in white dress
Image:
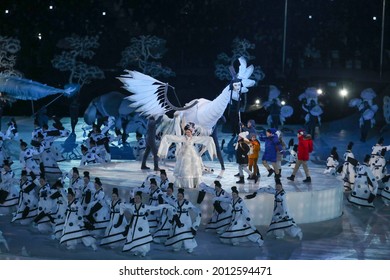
column 332, row 162
column 188, row 167
column 98, row 212
column 88, row 190
column 48, row 159
column 281, row 222
column 241, row 228
column 74, row 231
column 164, row 225
column 385, row 194
column 365, row 187
column 138, row 237
column 9, row 189
column 348, row 172
column 28, row 201
column 29, row 159
column 222, row 213
column 113, row 236
column 155, row 199
column 183, row 230
column 46, row 207
column 164, row 182
column 59, row 197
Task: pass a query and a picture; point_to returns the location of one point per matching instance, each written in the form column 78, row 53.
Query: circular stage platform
column 318, row 201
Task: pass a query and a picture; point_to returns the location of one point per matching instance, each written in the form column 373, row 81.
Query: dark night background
column 197, row 31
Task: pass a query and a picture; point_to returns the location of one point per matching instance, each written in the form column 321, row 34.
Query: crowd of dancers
column 74, row 209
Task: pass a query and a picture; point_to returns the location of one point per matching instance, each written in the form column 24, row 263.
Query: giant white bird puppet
column 150, row 99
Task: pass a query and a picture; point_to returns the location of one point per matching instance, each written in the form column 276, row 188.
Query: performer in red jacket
column 305, row 147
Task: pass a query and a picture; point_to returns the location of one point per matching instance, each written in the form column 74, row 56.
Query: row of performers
column 364, row 181
column 83, row 214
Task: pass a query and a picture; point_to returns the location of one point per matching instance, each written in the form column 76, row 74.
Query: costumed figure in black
column 242, row 150
column 367, row 110
column 277, row 111
column 150, row 140
column 313, row 110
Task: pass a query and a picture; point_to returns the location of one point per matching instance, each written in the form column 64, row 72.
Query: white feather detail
column 248, row 83
column 147, row 97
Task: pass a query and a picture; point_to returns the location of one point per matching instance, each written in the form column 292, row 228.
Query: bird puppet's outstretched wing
column 148, row 96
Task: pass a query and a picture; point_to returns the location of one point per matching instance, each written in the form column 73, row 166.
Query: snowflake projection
column 144, row 53
column 78, row 49
column 240, row 48
column 9, row 47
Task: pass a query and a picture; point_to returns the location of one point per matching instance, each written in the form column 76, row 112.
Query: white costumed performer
column 188, row 167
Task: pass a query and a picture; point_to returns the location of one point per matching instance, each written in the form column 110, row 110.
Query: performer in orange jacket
column 253, row 156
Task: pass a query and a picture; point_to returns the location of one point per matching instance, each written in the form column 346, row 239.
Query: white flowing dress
column 188, row 167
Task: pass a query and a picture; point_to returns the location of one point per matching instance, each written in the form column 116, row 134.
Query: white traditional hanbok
column 331, row 165
column 74, row 231
column 164, row 184
column 87, row 192
column 114, row 234
column 27, row 208
column 222, row 212
column 99, row 211
column 183, row 230
column 154, row 200
column 165, row 223
column 9, row 191
column 49, row 161
column 365, row 187
column 348, row 172
column 377, row 164
column 138, row 237
column 60, row 200
column 46, row 206
column 76, row 182
column 90, row 158
column 29, row 160
column 189, row 166
column 241, row 228
column 282, row 222
column 385, row 193
column 50, row 135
